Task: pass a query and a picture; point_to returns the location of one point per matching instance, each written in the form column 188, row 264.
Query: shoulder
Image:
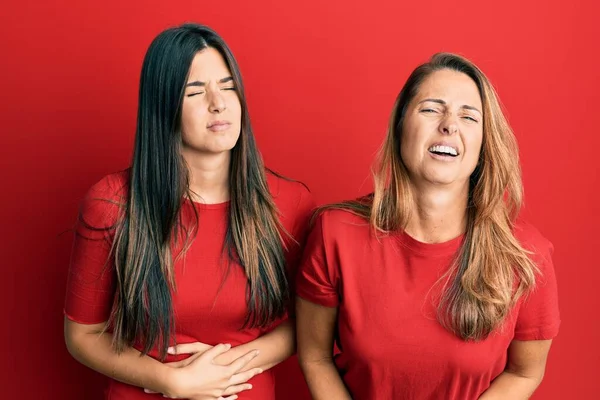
column 531, row 239
column 294, row 201
column 112, row 186
column 104, row 200
column 286, row 191
column 539, row 247
column 342, row 224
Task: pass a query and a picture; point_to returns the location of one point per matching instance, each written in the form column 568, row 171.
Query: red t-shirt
column 203, row 310
column 392, row 346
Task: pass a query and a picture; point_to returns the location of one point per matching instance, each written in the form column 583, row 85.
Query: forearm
column 323, row 380
column 274, row 347
column 95, row 351
column 510, row 385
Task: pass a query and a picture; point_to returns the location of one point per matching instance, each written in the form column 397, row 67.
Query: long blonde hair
column 492, row 270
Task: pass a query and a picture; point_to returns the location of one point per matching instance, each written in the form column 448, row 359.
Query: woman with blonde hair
column 431, row 287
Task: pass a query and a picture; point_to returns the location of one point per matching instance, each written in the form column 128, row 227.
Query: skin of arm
column 315, row 335
column 88, row 345
column 524, row 371
column 92, row 347
column 274, row 347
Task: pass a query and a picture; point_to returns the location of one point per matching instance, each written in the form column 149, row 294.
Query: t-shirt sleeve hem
column 320, row 299
column 540, row 333
column 84, row 321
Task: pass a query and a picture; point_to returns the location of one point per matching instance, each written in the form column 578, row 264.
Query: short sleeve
column 91, row 277
column 296, row 204
column 304, row 209
column 539, row 317
column 318, row 275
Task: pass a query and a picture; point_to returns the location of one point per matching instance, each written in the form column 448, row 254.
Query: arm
column 274, row 348
column 524, row 371
column 201, row 377
column 88, row 345
column 537, row 323
column 315, row 331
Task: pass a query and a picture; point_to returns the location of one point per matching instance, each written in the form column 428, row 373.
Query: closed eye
column 194, row 94
column 428, row 110
column 470, row 118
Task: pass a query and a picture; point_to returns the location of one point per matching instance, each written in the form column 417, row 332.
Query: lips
column 217, row 126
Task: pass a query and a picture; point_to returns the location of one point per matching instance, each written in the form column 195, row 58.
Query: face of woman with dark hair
column 211, row 114
column 443, row 130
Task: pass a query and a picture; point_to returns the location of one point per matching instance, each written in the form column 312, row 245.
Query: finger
column 242, row 361
column 184, row 363
column 189, row 348
column 244, row 377
column 237, row 388
column 216, row 351
column 153, row 392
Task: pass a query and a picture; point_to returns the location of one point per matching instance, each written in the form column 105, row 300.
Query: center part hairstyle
column 492, row 270
column 150, row 221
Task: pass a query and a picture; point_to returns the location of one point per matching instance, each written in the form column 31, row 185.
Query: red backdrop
column 321, row 79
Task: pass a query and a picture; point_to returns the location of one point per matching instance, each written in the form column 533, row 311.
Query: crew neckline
column 446, row 248
column 210, row 206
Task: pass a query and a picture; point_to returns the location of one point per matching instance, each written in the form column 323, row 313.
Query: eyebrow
column 440, row 101
column 199, row 83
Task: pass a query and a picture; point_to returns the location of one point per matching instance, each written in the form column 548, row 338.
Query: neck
column 209, row 176
column 439, row 213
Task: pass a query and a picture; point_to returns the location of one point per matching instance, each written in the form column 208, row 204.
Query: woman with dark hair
column 431, row 287
column 191, row 246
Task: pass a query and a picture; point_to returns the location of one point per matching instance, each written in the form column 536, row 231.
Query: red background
column 321, row 79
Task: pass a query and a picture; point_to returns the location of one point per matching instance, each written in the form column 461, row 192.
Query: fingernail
column 171, row 350
column 256, row 353
column 145, row 390
column 260, row 371
column 228, row 345
column 249, row 386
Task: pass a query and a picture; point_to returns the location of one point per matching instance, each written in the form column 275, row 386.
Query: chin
column 219, row 150
column 441, row 179
column 222, row 146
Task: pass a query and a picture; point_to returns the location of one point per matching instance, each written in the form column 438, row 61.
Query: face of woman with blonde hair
column 442, row 131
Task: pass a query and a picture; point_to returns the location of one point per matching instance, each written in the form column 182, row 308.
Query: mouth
column 217, row 126
column 443, row 151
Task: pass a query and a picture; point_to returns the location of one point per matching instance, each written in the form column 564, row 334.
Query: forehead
column 207, row 65
column 450, row 86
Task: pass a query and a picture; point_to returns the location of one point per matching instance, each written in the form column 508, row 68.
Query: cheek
column 412, row 142
column 408, row 150
column 473, row 145
column 415, row 133
column 237, row 111
column 188, row 118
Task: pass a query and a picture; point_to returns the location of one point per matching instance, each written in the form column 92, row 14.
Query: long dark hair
column 480, row 287
column 151, row 220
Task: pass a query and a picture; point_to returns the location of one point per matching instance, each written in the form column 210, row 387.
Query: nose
column 217, row 102
column 449, row 125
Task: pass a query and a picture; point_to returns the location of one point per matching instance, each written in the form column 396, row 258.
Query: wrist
column 170, row 380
